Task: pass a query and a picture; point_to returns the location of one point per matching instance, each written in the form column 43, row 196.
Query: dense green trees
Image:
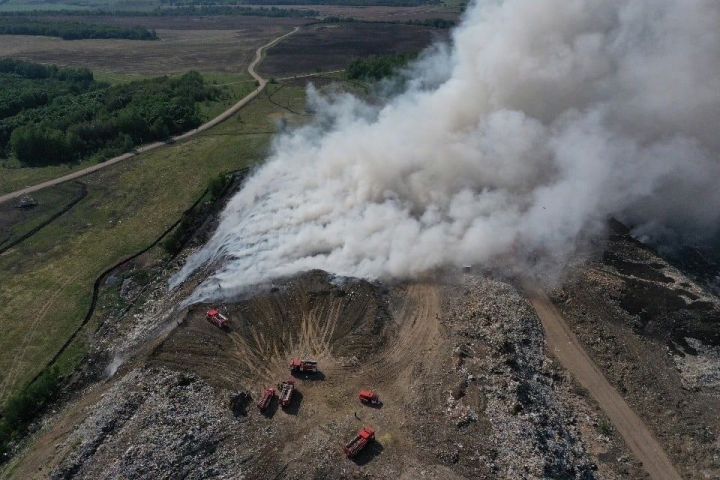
column 179, row 8
column 71, row 30
column 375, row 68
column 33, row 71
column 426, row 22
column 22, row 407
column 38, row 145
column 79, row 118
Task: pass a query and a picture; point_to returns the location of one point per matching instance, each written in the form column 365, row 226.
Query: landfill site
column 445, row 377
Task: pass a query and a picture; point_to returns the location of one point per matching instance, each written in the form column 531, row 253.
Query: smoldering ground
column 541, row 120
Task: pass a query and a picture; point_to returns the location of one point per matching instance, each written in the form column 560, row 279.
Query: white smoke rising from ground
column 543, row 119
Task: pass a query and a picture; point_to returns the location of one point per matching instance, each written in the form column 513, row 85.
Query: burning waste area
column 326, row 379
column 517, row 142
column 326, row 329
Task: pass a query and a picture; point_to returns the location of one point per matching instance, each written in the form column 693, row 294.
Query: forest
column 51, row 115
column 180, row 8
column 71, row 30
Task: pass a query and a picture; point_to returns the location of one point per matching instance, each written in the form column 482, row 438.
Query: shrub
column 23, row 407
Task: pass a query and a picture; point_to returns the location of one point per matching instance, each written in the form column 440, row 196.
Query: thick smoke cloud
column 543, row 119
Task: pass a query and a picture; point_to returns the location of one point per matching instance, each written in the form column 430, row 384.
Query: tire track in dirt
column 416, row 318
column 565, row 346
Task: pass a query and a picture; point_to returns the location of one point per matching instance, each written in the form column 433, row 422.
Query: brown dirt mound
column 309, row 317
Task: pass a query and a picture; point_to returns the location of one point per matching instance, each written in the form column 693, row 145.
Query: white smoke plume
column 541, row 120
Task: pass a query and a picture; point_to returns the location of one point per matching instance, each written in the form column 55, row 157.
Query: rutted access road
column 262, row 83
column 567, row 349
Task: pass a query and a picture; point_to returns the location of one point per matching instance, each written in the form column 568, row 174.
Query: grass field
column 46, row 281
column 207, row 44
column 17, row 222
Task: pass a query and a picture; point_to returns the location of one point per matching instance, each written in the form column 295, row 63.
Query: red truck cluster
column 286, row 389
column 369, row 397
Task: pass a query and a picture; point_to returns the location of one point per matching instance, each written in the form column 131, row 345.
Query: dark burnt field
column 384, row 13
column 334, row 46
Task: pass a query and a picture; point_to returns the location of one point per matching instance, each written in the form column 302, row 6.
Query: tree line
column 23, row 407
column 22, row 91
column 181, row 8
column 360, row 3
column 101, row 121
column 377, row 67
column 71, row 30
column 425, row 22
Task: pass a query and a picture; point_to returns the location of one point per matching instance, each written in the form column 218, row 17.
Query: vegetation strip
column 426, row 22
column 101, row 277
column 72, row 30
column 378, row 67
column 182, row 11
column 22, row 407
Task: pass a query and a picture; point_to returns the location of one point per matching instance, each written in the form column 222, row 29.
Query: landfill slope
column 459, row 362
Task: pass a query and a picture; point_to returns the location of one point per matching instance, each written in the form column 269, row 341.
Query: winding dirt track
column 154, row 146
column 567, row 349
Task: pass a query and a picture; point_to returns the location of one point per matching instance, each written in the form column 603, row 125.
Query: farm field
column 177, row 51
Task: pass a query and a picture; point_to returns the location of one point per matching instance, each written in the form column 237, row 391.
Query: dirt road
column 154, row 146
column 565, row 346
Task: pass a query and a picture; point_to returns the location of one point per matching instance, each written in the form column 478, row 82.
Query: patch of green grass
column 605, row 427
column 15, row 222
column 14, row 177
column 233, row 87
column 116, row 78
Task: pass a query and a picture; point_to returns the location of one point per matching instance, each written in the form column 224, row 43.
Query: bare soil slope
column 655, row 334
column 459, row 364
